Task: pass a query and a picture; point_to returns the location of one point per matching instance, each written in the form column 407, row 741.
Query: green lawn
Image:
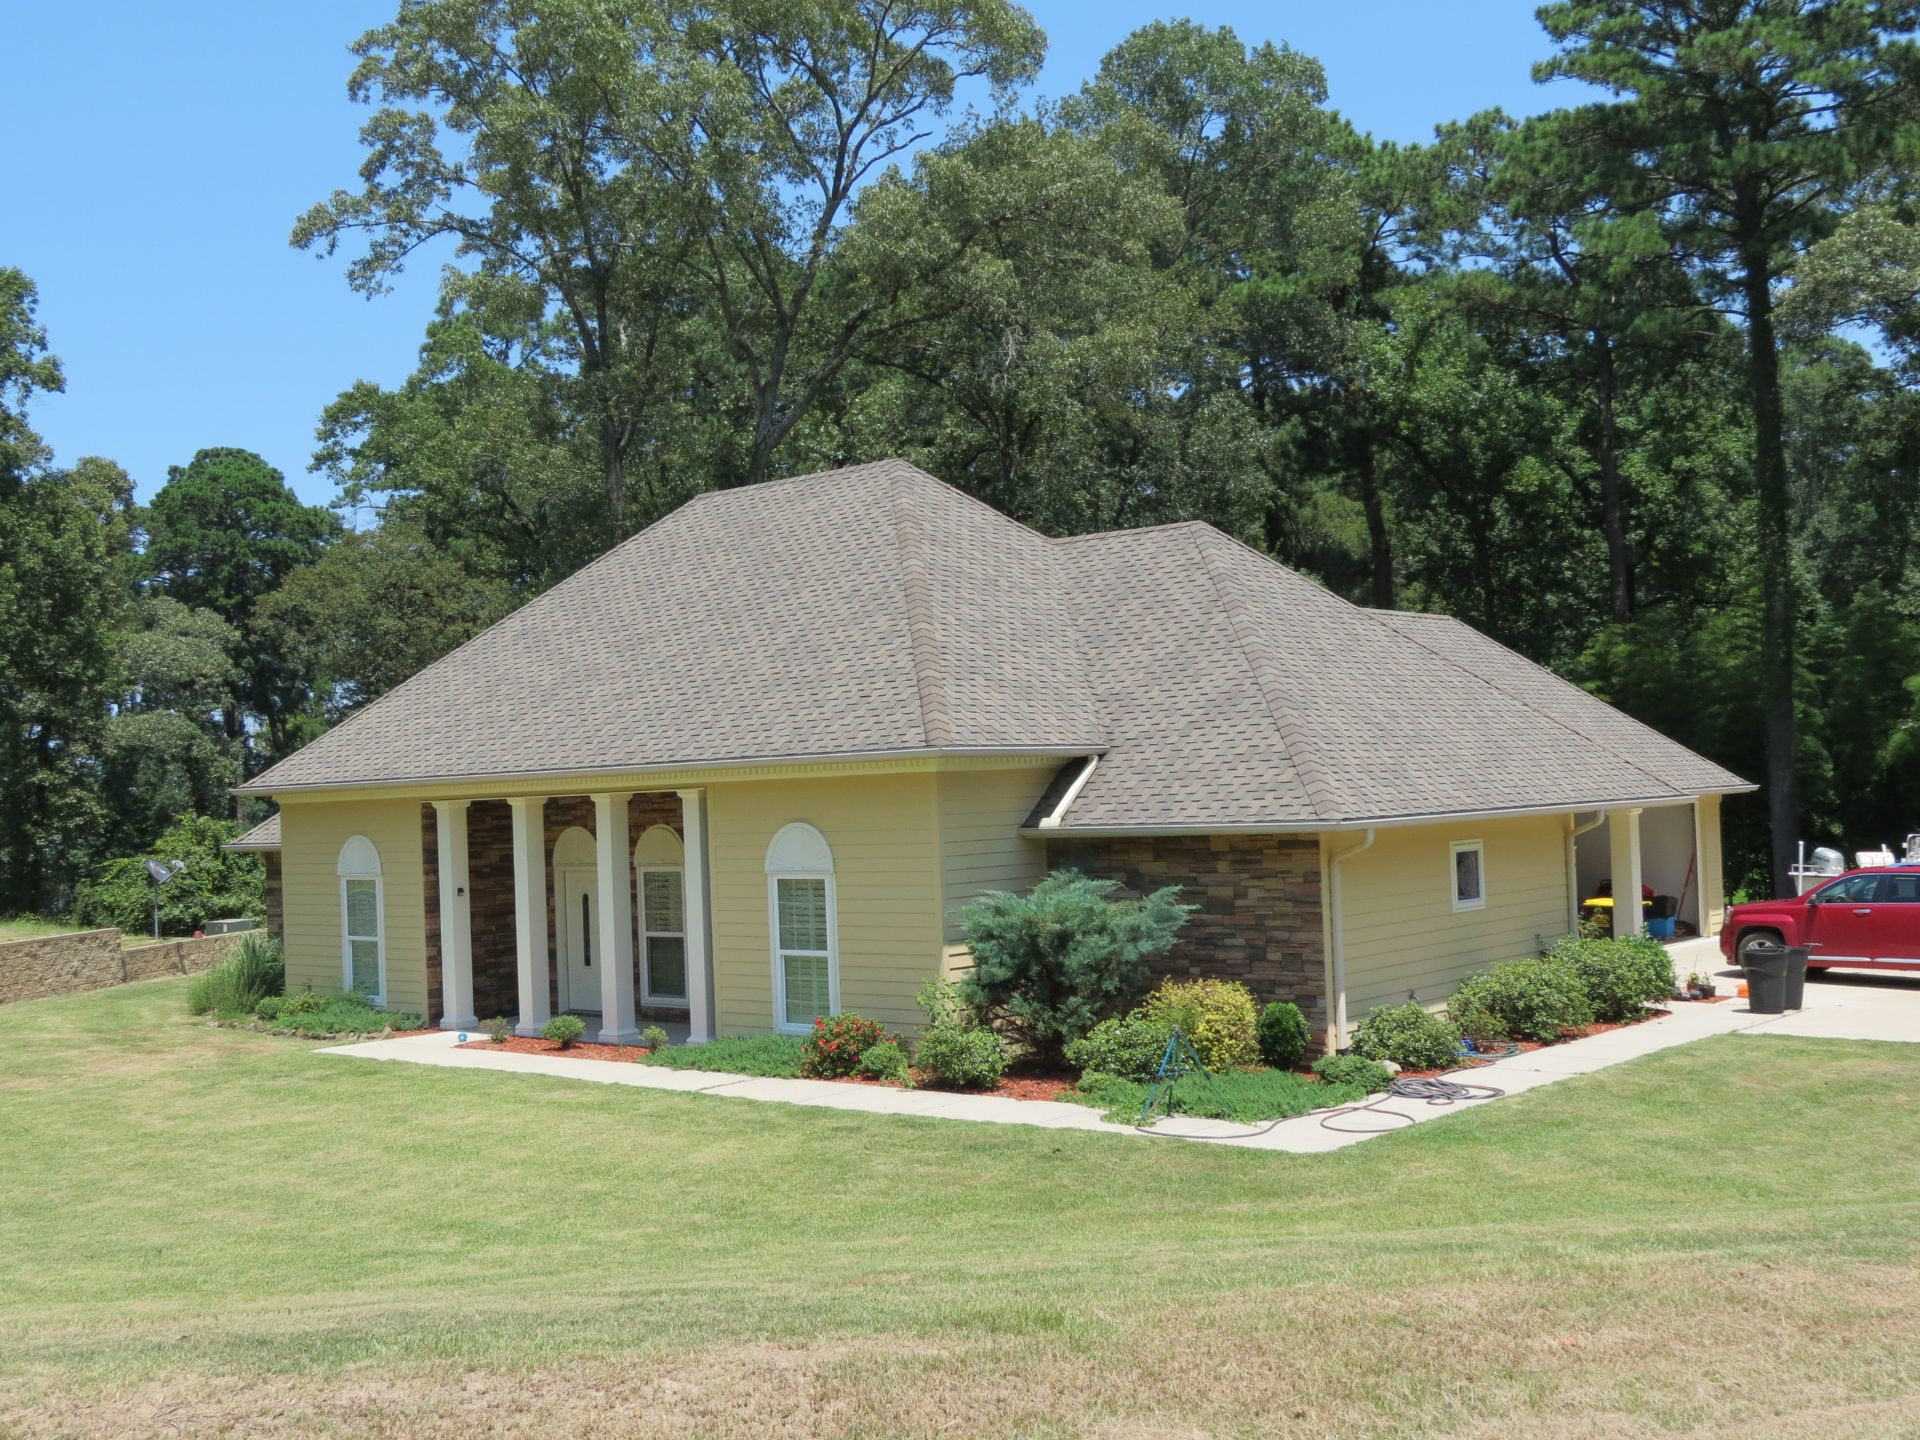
column 33, row 927
column 30, row 927
column 219, row 1232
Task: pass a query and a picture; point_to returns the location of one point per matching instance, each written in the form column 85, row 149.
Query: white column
column 530, row 911
column 456, row 918
column 693, row 835
column 1623, row 843
column 614, row 938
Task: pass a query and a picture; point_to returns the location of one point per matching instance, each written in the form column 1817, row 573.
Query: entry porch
column 594, row 905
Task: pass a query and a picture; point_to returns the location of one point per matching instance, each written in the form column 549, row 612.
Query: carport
column 1656, row 846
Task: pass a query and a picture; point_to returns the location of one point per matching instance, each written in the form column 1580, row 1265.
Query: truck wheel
column 1754, row 937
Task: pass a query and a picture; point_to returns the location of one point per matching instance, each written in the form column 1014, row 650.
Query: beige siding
column 311, row 837
column 886, row 877
column 1713, row 883
column 1401, row 931
column 981, row 847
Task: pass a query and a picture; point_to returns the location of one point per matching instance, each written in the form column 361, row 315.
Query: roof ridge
column 923, row 628
column 1521, row 700
column 1377, row 617
column 1293, row 739
column 1130, row 530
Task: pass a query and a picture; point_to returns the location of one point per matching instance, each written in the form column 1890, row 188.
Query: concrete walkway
column 1847, row 1005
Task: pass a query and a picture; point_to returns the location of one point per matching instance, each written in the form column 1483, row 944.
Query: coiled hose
column 1436, row 1090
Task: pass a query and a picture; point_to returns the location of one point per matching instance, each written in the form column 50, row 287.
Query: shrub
column 1525, row 999
column 1051, row 964
column 955, row 1047
column 1130, row 1046
column 332, row 1016
column 1470, row 1016
column 1245, row 1096
column 1217, row 1018
column 836, row 1044
column 885, row 1061
column 1620, row 977
column 965, row 1058
column 773, row 1056
column 1283, row 1035
column 1357, row 1070
column 564, row 1030
column 215, row 883
column 1410, row 1035
column 247, row 974
column 276, row 1007
column 499, row 1029
column 654, row 1038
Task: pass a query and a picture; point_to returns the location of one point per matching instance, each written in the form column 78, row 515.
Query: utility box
column 229, row 927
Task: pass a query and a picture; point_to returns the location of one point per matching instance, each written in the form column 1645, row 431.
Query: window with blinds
column 805, row 960
column 361, row 906
column 663, row 934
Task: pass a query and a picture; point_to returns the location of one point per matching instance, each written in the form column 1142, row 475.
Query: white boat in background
column 1826, row 862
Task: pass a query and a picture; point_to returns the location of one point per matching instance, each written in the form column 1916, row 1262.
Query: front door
column 578, row 915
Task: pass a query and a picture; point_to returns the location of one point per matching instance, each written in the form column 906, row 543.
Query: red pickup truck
column 1867, row 918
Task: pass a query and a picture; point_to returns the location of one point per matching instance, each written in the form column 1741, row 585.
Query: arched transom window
column 800, row 905
column 363, row 931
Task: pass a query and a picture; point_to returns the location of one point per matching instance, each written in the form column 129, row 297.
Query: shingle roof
column 865, row 610
column 264, row 836
column 875, row 610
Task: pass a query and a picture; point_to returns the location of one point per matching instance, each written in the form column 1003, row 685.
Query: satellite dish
column 160, row 874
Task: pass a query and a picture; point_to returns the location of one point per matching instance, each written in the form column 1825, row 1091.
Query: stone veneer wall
column 496, row 962
column 1259, row 899
column 94, row 960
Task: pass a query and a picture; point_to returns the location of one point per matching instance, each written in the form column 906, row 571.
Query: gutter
column 1336, row 906
column 1375, row 822
column 521, row 779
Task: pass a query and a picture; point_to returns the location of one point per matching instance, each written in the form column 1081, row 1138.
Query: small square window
column 1469, row 875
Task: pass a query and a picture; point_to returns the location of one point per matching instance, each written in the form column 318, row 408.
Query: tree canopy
column 1633, row 385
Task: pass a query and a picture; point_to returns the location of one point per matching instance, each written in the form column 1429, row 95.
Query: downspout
column 1336, row 905
column 1574, row 831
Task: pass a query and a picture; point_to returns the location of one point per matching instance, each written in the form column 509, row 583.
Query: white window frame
column 1454, row 851
column 800, row 852
column 647, row 937
column 352, row 866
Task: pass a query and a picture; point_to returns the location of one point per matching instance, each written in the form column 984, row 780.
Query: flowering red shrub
column 837, row 1043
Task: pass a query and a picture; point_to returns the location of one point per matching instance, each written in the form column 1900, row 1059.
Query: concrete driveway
column 1840, row 1004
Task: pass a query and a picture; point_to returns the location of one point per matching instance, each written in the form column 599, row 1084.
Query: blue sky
column 159, row 154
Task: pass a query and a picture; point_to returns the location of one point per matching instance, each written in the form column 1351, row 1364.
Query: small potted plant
column 1701, row 988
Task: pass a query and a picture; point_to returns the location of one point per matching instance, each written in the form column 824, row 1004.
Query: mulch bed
column 1012, row 1087
column 579, row 1050
column 1032, row 1087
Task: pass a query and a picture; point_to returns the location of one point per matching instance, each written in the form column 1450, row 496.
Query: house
column 743, row 769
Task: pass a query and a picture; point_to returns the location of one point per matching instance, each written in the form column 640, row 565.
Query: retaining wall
column 94, row 960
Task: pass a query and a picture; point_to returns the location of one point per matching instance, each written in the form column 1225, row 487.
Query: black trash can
column 1796, row 987
column 1766, row 969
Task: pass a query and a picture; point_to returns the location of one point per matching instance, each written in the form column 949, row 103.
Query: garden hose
column 1434, row 1091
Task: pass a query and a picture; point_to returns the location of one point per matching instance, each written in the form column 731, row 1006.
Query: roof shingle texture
column 264, row 836
column 874, row 609
column 869, row 609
